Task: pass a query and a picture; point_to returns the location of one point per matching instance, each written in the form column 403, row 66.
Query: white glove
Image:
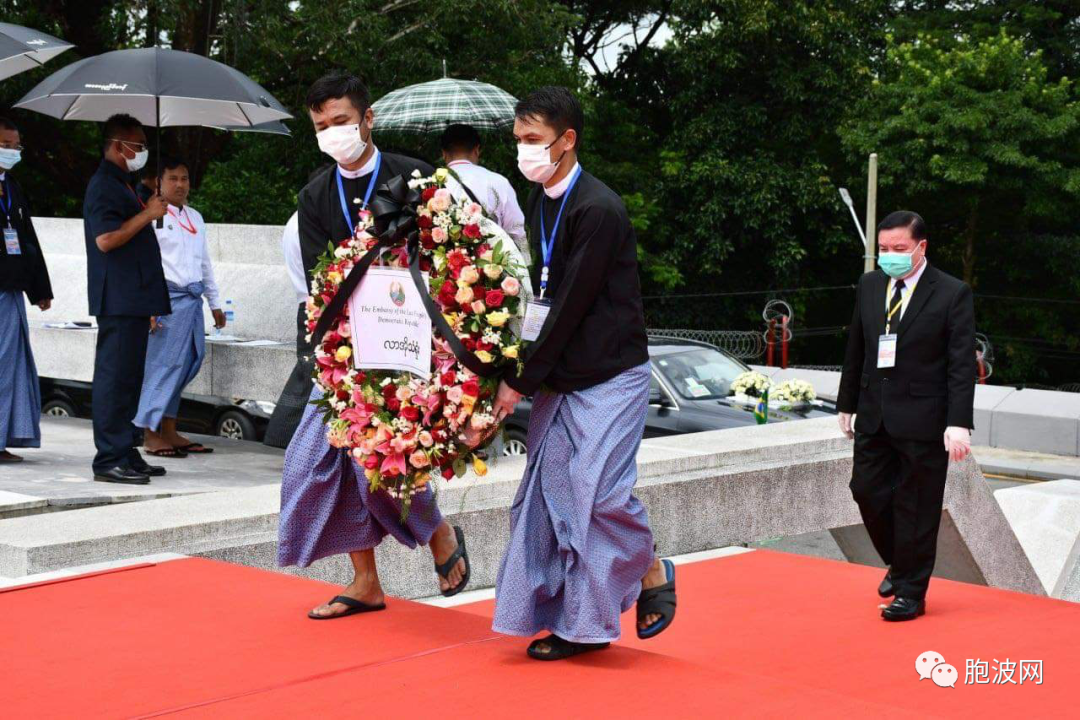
column 845, row 424
column 957, row 443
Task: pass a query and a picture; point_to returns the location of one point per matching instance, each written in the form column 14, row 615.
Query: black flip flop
column 169, row 452
column 561, row 649
column 195, row 449
column 459, row 553
column 659, row 600
column 355, row 607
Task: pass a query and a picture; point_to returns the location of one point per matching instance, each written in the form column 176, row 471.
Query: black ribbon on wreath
column 396, row 221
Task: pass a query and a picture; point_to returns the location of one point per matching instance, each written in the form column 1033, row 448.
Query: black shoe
column 122, row 475
column 147, row 469
column 904, row 609
column 886, row 589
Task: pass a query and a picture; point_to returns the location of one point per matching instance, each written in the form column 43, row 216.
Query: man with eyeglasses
column 22, row 271
column 126, row 287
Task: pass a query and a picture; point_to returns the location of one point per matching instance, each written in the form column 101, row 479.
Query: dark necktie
column 894, row 306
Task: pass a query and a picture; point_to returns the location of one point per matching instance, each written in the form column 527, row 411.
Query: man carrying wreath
column 581, row 551
column 327, row 507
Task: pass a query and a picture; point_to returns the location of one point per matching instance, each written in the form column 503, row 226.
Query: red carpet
column 757, row 635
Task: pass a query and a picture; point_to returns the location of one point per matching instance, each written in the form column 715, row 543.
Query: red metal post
column 783, row 341
column 770, row 342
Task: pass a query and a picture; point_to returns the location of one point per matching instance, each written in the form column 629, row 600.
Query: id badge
column 11, row 241
column 886, row 351
column 536, row 313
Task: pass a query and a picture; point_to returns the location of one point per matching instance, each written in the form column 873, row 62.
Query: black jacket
column 321, row 220
column 128, row 280
column 933, row 384
column 596, row 327
column 25, row 272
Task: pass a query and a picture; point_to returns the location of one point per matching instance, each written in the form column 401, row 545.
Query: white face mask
column 342, row 142
column 534, row 162
column 138, row 162
column 9, row 158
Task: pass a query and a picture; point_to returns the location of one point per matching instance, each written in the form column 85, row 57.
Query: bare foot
column 364, row 588
column 153, row 442
column 656, row 576
column 443, row 544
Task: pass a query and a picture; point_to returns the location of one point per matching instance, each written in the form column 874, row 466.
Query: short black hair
column 905, row 219
column 459, row 138
column 119, row 124
column 338, row 85
column 557, row 107
column 171, row 163
column 6, row 124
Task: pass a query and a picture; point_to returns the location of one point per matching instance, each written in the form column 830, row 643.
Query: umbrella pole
column 157, row 154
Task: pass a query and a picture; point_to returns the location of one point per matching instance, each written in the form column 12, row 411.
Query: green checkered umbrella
column 431, row 106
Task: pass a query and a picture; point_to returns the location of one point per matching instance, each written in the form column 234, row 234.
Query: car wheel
column 235, row 426
column 514, row 443
column 58, row 408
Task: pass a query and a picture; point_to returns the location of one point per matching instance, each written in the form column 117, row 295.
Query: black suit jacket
column 933, row 384
column 321, row 221
column 128, row 280
column 25, row 272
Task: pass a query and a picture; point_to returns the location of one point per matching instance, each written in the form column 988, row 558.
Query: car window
column 700, row 373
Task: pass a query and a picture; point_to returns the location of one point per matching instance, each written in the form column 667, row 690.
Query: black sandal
column 659, row 600
column 169, row 452
column 354, row 607
column 459, row 553
column 561, row 649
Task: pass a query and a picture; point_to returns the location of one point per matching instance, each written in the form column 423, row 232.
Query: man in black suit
column 909, row 376
column 126, row 285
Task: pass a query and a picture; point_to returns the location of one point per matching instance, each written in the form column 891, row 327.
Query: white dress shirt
column 185, row 256
column 909, row 288
column 557, row 190
column 294, row 261
column 366, row 169
column 495, row 194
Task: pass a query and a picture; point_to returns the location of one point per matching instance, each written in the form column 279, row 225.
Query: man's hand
column 45, row 304
column 845, row 425
column 957, row 443
column 505, row 401
column 156, row 207
column 155, row 324
column 219, row 317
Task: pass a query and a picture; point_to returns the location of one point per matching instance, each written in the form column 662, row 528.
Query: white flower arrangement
column 793, row 391
column 750, row 384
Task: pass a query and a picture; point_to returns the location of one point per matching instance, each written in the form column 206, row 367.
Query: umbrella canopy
column 162, row 88
column 271, row 128
column 431, row 106
column 24, row 49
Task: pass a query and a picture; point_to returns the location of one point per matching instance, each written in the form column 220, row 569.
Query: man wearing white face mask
column 580, row 551
column 909, row 376
column 327, row 507
column 22, row 271
column 126, row 286
column 329, row 205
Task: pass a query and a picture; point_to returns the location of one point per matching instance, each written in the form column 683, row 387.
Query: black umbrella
column 271, row 128
column 24, row 49
column 159, row 88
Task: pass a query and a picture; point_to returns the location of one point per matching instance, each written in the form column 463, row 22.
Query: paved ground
column 60, row 469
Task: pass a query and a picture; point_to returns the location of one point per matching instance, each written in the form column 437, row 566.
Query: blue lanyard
column 367, row 195
column 547, row 243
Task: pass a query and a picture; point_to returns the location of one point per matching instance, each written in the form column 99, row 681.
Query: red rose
column 425, row 223
column 371, row 461
column 481, row 249
column 393, row 404
column 494, row 298
column 410, row 413
column 471, row 231
column 469, row 343
column 457, row 260
column 448, row 378
column 425, row 264
column 428, row 193
column 342, row 395
column 389, row 390
column 448, row 472
column 427, row 241
column 471, row 388
column 485, row 346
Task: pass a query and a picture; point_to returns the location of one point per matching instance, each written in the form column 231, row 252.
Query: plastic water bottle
column 230, row 312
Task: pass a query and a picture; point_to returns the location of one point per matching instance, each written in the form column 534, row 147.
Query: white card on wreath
column 390, row 326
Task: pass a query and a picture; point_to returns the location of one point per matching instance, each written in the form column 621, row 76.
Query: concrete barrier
column 703, row 491
column 1046, row 520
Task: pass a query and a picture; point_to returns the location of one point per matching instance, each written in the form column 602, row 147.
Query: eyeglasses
column 139, row 147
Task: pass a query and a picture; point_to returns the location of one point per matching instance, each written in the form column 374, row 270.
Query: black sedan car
column 690, row 392
column 234, row 418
